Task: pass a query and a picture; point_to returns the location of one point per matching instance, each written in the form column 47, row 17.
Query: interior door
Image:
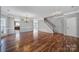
column 71, row 26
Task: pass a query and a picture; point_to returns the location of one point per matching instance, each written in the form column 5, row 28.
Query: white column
column 35, row 28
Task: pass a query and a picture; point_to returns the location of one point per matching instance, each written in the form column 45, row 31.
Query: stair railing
column 50, row 25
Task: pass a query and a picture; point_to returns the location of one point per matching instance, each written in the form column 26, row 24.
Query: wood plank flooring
column 46, row 42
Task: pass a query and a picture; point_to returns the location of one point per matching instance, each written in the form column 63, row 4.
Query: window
column 3, row 25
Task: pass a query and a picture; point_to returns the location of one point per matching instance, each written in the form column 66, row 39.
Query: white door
column 71, row 26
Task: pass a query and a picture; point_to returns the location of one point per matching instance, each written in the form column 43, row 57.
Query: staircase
column 50, row 25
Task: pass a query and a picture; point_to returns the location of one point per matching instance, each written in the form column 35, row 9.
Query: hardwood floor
column 46, row 42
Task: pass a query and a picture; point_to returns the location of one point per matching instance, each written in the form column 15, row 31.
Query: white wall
column 74, row 26
column 71, row 26
column 0, row 27
column 78, row 24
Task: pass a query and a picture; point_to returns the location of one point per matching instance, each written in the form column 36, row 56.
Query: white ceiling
column 39, row 11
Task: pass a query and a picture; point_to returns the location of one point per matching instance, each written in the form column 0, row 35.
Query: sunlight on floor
column 3, row 45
